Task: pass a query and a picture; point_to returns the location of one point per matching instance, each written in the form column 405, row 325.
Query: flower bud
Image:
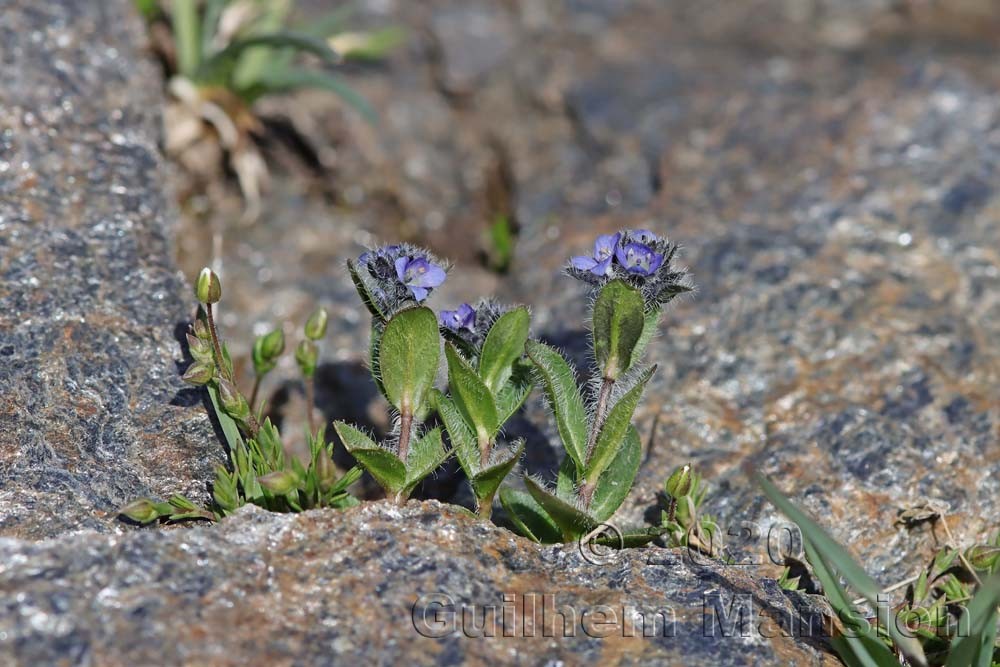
column 279, row 482
column 678, row 484
column 201, row 329
column 200, row 350
column 142, row 510
column 316, row 325
column 233, row 402
column 306, row 354
column 199, row 373
column 983, row 556
column 326, row 471
column 208, row 289
column 266, row 349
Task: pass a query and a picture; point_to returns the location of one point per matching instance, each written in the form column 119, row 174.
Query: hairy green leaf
column 472, row 397
column 619, row 316
column 486, row 482
column 559, row 384
column 572, row 522
column 365, row 287
column 426, row 455
column 512, row 395
column 528, row 516
column 463, row 440
column 503, row 346
column 408, row 359
column 615, row 482
column 383, row 465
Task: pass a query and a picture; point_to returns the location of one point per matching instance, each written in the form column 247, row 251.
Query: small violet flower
column 604, row 252
column 419, row 275
column 463, row 317
column 638, row 258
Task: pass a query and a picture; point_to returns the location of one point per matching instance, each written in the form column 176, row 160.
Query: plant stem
column 484, row 453
column 485, row 509
column 252, row 423
column 672, row 511
column 405, row 423
column 600, row 412
column 185, row 24
column 253, row 393
column 310, row 400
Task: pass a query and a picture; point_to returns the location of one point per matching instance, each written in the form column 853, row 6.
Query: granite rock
column 92, row 409
column 379, row 584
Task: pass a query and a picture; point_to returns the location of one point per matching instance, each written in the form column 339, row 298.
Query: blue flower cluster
column 637, row 256
column 401, row 274
column 467, row 325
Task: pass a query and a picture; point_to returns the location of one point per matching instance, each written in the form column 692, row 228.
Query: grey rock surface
column 92, row 410
column 378, row 584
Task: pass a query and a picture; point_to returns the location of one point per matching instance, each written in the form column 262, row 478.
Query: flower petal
column 419, row 293
column 605, row 245
column 602, row 268
column 431, row 275
column 583, row 263
column 401, row 264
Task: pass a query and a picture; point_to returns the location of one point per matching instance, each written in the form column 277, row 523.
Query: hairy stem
column 405, row 423
column 600, row 413
column 484, row 452
column 485, row 509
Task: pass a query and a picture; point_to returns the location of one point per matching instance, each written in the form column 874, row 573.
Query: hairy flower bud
column 316, row 325
column 233, row 402
column 199, row 373
column 208, row 289
column 678, row 484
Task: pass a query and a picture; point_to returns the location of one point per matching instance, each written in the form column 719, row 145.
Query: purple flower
column 604, row 252
column 463, row 317
column 419, row 275
column 638, row 258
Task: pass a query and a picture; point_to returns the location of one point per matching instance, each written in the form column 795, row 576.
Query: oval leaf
column 619, row 316
column 408, row 356
column 615, row 483
column 426, row 455
column 572, row 521
column 559, row 384
column 486, row 483
column 472, row 397
column 463, row 440
column 503, row 346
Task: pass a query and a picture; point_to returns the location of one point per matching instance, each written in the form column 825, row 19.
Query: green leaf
column 528, row 516
column 572, row 521
column 651, row 323
column 472, row 397
column 630, row 538
column 463, row 440
column 408, row 359
column 619, row 317
column 486, row 482
column 566, row 481
column 218, row 69
column 615, row 483
column 503, row 346
column 512, row 395
column 383, row 465
column 559, row 384
column 295, row 78
column 186, row 26
column 426, row 455
column 614, row 428
column 365, row 287
column 841, row 561
column 229, row 427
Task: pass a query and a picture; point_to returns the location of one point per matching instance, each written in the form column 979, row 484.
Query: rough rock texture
column 92, row 412
column 828, row 167
column 353, row 587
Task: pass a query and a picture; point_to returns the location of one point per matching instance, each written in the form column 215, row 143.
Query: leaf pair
column 484, row 396
column 399, row 478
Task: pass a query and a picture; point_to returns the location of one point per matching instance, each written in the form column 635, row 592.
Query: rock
column 369, row 585
column 91, row 405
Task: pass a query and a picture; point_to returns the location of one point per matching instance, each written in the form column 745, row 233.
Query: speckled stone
column 92, row 410
column 369, row 585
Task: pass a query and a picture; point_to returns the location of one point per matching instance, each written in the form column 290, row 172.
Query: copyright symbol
column 602, row 545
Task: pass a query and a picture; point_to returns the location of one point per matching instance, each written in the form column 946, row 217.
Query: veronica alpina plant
column 393, row 281
column 631, row 277
column 489, row 381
